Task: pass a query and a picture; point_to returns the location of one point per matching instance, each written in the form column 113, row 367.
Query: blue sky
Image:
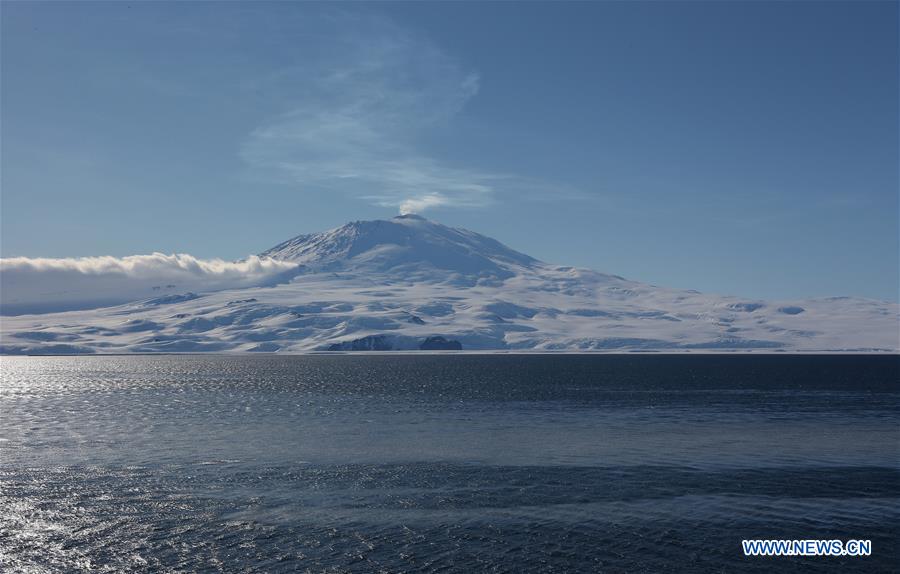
column 737, row 148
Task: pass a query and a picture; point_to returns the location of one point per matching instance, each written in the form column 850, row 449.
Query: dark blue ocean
column 433, row 463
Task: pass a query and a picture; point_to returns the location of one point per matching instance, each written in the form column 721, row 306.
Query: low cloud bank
column 42, row 285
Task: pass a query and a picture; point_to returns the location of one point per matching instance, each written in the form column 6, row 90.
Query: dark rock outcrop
column 439, row 343
column 369, row 343
column 792, row 310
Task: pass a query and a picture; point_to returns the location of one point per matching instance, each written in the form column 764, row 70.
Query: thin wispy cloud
column 357, row 116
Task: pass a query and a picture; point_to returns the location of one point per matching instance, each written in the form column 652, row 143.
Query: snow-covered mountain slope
column 408, row 247
column 410, row 283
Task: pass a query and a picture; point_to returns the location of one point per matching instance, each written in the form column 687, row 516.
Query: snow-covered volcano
column 408, row 246
column 409, row 283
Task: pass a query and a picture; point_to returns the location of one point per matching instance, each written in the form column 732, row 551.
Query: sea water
column 437, row 463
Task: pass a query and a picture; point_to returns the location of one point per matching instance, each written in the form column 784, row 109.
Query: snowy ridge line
column 410, row 284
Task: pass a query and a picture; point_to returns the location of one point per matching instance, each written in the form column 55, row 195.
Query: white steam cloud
column 39, row 285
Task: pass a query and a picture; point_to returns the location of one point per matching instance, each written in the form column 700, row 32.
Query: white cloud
column 420, row 204
column 36, row 285
column 357, row 115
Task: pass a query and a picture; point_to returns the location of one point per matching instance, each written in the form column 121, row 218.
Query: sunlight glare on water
column 507, row 463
